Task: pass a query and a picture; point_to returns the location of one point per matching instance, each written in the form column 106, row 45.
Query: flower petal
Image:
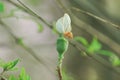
column 64, row 24
column 60, row 26
column 67, row 22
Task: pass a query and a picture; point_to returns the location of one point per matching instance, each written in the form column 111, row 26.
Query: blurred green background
column 40, row 41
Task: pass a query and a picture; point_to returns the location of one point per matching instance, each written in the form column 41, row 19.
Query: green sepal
column 62, row 46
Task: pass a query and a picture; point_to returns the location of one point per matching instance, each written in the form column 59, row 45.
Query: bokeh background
column 39, row 56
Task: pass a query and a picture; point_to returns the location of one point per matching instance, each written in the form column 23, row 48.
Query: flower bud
column 62, row 46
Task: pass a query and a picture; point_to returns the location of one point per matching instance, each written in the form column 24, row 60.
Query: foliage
column 11, row 65
column 95, row 47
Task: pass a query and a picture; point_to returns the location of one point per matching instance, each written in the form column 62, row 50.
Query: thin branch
column 96, row 17
column 29, row 11
column 29, row 50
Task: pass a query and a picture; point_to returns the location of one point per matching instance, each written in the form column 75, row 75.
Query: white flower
column 64, row 24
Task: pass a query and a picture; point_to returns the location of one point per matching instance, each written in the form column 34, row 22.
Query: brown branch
column 59, row 72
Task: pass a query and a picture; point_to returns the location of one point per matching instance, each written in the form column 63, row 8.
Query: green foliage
column 23, row 75
column 94, row 46
column 1, row 7
column 7, row 66
column 82, row 40
column 10, row 65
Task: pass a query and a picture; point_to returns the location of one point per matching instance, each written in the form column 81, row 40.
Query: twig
column 59, row 72
column 96, row 17
column 31, row 52
column 29, row 11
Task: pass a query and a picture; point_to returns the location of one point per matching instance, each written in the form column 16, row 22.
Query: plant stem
column 59, row 72
column 59, row 68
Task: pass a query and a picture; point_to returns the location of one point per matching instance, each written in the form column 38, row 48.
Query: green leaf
column 10, row 65
column 23, row 75
column 1, row 7
column 82, row 40
column 115, row 60
column 94, row 46
column 105, row 52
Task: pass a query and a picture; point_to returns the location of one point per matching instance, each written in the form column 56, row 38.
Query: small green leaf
column 10, row 65
column 94, row 46
column 115, row 60
column 23, row 75
column 40, row 27
column 105, row 52
column 1, row 7
column 82, row 40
